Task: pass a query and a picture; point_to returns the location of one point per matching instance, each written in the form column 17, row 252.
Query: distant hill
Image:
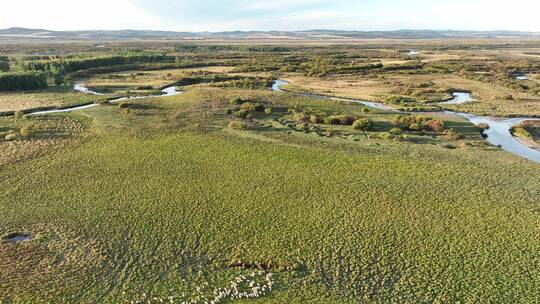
column 17, row 33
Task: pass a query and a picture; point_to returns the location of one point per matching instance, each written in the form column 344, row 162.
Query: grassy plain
column 159, row 197
column 54, row 98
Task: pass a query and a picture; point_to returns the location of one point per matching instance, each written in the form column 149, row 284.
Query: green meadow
column 232, row 193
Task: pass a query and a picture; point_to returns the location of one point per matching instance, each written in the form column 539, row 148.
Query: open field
column 53, row 99
column 316, row 200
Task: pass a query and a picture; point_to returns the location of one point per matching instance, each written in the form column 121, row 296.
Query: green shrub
column 19, row 115
column 415, row 127
column 4, row 66
column 259, row 107
column 400, row 100
column 520, row 132
column 331, row 120
column 303, row 127
column 316, row 119
column 235, row 101
column 395, row 131
column 228, row 111
column 362, row 124
column 300, row 117
column 396, row 120
column 27, row 131
column 268, row 110
column 123, row 105
column 241, row 113
column 103, row 102
column 452, row 134
column 237, row 125
column 419, row 119
column 386, row 136
column 248, row 107
column 345, row 120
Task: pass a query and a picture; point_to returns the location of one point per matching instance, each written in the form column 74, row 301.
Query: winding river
column 498, row 133
column 168, row 91
column 459, row 98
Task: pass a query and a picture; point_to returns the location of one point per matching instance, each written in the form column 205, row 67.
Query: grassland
column 158, row 197
column 529, row 133
column 54, row 98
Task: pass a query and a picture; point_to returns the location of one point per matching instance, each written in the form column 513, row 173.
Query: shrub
column 295, row 109
column 435, row 125
column 452, row 134
column 395, row 131
column 386, row 136
column 339, row 120
column 259, row 107
column 483, row 126
column 300, row 117
column 248, row 107
column 331, row 120
column 420, row 119
column 27, row 131
column 235, row 101
column 228, row 111
column 4, row 66
column 400, row 100
column 11, row 136
column 123, row 105
column 241, row 113
column 268, row 111
column 520, row 132
column 103, row 102
column 362, row 124
column 237, row 125
column 346, row 120
column 302, row 127
column 19, row 115
column 415, row 127
column 316, row 119
column 396, row 120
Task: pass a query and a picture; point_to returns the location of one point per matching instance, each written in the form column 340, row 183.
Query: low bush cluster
column 237, row 125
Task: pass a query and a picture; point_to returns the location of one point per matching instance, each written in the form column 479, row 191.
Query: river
column 168, row 91
column 498, row 133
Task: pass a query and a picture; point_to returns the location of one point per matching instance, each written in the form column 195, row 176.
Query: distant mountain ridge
column 18, row 33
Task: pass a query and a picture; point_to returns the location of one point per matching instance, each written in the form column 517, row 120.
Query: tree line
column 23, row 81
column 189, row 48
column 58, row 68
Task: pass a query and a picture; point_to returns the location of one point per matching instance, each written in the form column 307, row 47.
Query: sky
column 228, row 15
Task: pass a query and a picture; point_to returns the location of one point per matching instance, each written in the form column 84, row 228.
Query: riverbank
column 498, row 133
